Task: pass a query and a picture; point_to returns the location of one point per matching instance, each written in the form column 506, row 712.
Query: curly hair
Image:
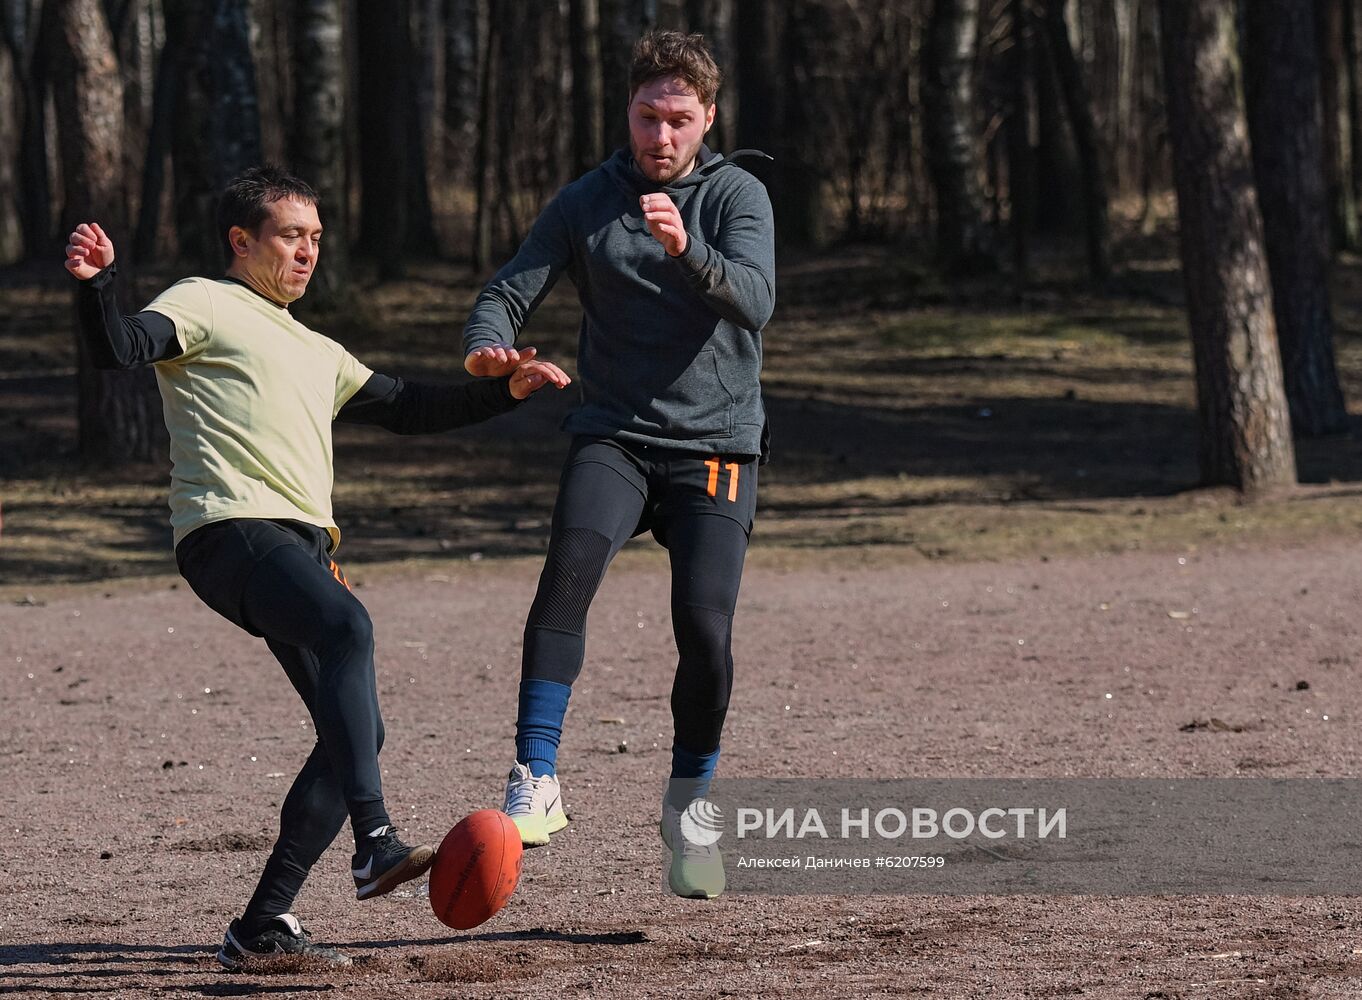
column 671, row 53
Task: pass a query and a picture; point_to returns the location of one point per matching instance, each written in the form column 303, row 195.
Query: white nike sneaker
column 535, row 805
column 696, row 870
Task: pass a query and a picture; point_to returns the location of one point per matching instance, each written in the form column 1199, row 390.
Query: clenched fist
column 88, row 251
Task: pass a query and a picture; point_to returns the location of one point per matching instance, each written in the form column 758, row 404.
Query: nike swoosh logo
column 556, row 799
column 366, row 871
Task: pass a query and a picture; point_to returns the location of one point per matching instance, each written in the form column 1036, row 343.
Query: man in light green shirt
column 249, row 396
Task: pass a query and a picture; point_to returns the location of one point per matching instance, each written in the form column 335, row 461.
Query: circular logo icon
column 702, row 823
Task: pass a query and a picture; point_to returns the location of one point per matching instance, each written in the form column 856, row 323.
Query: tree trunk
column 1126, row 131
column 953, row 147
column 119, row 413
column 465, row 26
column 1338, row 151
column 1021, row 190
column 1353, row 85
column 318, row 139
column 799, row 212
column 384, row 139
column 194, row 174
column 136, row 57
column 170, row 70
column 617, row 35
column 758, row 79
column 909, row 121
column 588, row 113
column 1153, row 122
column 35, row 179
column 714, row 20
column 11, row 230
column 217, row 123
column 423, row 40
column 1282, row 80
column 1245, row 430
column 21, row 20
column 272, row 55
column 519, row 22
column 871, row 136
column 1086, row 140
column 1056, row 164
column 622, row 23
column 236, row 108
column 486, row 150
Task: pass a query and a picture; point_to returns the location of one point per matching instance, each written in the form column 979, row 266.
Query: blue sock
column 691, row 774
column 539, row 726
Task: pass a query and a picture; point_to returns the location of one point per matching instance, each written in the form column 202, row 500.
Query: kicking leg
column 600, row 500
column 293, row 600
column 313, row 812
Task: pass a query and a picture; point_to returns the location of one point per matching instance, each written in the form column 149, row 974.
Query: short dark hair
column 246, row 200
column 672, row 53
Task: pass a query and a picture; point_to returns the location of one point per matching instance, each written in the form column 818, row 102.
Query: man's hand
column 88, row 251
column 496, row 361
column 664, row 222
column 532, row 376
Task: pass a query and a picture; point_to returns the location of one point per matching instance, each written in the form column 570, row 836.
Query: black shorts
column 675, row 483
column 217, row 559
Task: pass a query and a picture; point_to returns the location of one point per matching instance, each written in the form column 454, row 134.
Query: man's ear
column 239, row 239
column 709, row 116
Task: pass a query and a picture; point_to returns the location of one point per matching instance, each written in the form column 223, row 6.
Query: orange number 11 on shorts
column 733, row 468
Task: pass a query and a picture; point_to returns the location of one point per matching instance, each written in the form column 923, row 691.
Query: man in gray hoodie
column 671, row 249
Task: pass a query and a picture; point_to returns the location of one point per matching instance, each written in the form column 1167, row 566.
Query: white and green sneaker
column 535, row 805
column 696, row 869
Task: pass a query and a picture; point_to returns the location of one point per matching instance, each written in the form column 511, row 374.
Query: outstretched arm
column 114, row 340
column 424, row 408
column 511, row 297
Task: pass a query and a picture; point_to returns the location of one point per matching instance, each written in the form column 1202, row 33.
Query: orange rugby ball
column 476, row 869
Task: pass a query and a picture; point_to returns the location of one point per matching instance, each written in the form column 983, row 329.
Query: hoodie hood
column 633, row 182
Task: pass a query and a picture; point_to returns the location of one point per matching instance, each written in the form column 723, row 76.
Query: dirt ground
column 147, row 745
column 980, row 552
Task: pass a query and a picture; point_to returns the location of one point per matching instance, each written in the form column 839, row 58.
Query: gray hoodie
column 670, row 347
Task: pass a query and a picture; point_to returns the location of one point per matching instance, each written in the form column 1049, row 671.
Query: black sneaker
column 386, row 863
column 283, row 935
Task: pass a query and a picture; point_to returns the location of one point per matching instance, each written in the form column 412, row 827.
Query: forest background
column 1054, row 276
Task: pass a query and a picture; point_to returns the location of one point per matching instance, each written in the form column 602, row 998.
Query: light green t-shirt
column 249, row 405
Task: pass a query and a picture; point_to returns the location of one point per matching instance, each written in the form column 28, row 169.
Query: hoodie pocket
column 696, row 404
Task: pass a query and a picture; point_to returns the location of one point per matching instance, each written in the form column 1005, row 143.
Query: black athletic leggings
column 611, row 491
column 275, row 579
